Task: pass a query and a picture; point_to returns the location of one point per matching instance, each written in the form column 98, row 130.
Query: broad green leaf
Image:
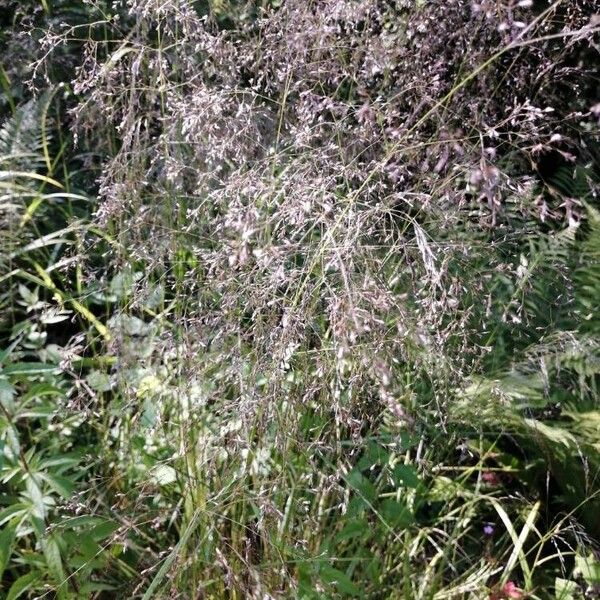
column 98, row 381
column 7, row 393
column 354, row 528
column 564, row 589
column 588, row 568
column 96, row 586
column 396, row 514
column 103, row 530
column 7, row 538
column 39, row 412
column 339, row 579
column 164, row 474
column 150, row 414
column 52, row 317
column 89, row 552
column 357, row 506
column 362, row 485
column 121, row 284
column 54, row 563
column 21, row 585
column 61, row 485
column 12, row 440
column 70, row 459
column 11, row 511
column 405, row 475
column 35, row 495
column 375, row 455
column 30, row 368
column 30, row 297
column 40, row 390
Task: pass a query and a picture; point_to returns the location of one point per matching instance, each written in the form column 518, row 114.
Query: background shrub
column 330, row 323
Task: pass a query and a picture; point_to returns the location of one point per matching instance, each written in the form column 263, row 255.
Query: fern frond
column 22, row 136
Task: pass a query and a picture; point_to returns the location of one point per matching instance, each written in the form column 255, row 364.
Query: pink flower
column 509, row 591
column 490, row 478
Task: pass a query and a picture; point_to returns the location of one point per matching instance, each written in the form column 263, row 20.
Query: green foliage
column 47, row 446
column 132, row 468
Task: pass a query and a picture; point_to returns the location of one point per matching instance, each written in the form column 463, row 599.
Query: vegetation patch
column 299, row 299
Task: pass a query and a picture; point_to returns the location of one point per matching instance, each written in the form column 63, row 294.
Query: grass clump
column 312, row 302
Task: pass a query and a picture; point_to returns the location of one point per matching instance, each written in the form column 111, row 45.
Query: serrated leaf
column 164, row 474
column 356, row 507
column 27, row 295
column 51, row 317
column 98, row 381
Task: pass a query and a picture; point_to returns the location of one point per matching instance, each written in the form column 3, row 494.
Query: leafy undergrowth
column 308, row 308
